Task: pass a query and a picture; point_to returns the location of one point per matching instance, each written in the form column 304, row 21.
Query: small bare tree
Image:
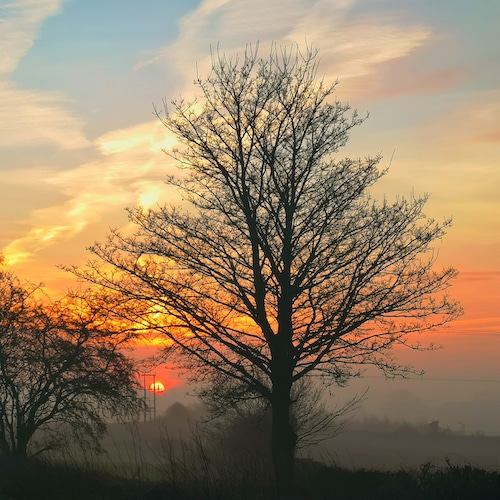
column 61, row 367
column 283, row 267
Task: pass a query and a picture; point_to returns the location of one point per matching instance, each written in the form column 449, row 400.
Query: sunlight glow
column 157, row 388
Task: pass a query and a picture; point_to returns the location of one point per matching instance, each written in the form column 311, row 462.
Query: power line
column 440, row 379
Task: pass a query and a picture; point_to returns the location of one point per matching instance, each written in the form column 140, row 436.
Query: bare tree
column 283, row 266
column 61, row 367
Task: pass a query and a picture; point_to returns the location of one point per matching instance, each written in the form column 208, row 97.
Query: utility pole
column 146, row 387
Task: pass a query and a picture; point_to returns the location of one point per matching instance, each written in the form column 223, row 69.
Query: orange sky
column 78, row 141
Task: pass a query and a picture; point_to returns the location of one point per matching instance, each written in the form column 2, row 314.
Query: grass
column 48, row 480
column 150, row 461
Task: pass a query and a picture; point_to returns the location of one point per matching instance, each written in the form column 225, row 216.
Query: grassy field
column 43, row 480
column 176, row 459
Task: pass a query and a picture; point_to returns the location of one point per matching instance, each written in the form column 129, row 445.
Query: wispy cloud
column 468, row 121
column 128, row 172
column 127, row 165
column 30, row 117
column 479, row 276
column 398, row 79
column 356, row 46
column 21, row 21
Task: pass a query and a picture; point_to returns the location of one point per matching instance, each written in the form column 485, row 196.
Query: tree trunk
column 21, row 450
column 21, row 440
column 284, row 440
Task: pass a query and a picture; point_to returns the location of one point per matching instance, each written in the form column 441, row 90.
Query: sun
column 157, row 388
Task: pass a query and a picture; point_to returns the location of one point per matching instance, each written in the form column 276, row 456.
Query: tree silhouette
column 281, row 266
column 61, row 368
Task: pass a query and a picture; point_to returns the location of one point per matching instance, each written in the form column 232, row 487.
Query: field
column 176, row 457
column 388, row 446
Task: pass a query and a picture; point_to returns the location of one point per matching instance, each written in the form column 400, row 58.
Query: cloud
column 128, row 171
column 29, row 117
column 400, row 77
column 479, row 275
column 20, row 25
column 355, row 50
column 468, row 122
column 357, row 46
column 484, row 112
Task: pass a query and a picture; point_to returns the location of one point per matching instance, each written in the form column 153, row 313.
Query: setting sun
column 157, row 388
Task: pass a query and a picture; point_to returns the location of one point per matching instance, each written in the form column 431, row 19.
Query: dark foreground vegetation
column 181, row 455
column 49, row 480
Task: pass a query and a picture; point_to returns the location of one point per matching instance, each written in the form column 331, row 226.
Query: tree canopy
column 62, row 369
column 280, row 265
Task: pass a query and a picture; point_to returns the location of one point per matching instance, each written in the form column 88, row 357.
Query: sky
column 79, row 141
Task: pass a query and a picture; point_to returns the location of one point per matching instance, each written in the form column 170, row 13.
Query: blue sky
column 90, row 50
column 79, row 142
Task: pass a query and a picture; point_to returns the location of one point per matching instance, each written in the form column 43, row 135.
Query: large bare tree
column 280, row 266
